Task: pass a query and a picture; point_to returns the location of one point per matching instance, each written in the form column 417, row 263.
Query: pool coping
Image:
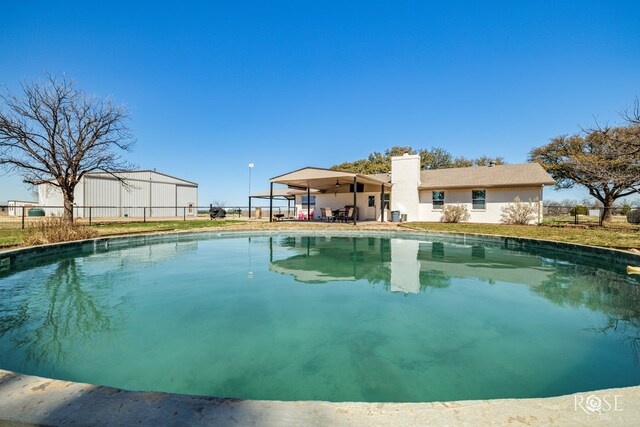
column 30, row 400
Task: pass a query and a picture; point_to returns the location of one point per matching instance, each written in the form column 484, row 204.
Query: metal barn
column 144, row 193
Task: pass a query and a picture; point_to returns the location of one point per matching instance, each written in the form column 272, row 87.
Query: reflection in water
column 67, row 304
column 412, row 266
column 404, row 265
column 598, row 290
column 66, row 308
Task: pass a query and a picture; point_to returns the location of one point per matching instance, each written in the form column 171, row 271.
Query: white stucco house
column 135, row 194
column 420, row 195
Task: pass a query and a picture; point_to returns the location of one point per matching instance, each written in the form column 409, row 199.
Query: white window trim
column 485, row 200
column 444, row 200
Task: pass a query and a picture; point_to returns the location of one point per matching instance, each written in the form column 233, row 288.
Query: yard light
column 250, row 167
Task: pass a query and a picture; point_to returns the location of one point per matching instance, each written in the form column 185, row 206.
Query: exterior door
column 370, row 210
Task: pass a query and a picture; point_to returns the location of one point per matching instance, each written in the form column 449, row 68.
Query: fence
column 582, row 215
column 22, row 216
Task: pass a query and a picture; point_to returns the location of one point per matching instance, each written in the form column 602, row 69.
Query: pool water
column 296, row 317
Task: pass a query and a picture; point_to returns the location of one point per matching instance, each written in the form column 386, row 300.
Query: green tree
column 595, row 161
column 430, row 158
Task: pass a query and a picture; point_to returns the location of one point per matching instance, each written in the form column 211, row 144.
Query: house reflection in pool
column 403, row 265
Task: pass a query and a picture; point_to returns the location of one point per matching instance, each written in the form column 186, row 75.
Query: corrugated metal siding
column 102, row 193
column 163, row 195
column 135, row 196
column 109, row 198
column 187, row 196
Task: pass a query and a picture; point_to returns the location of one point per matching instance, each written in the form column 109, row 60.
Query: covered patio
column 287, row 194
column 318, row 181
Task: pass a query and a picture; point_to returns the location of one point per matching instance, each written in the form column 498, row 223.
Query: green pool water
column 297, row 317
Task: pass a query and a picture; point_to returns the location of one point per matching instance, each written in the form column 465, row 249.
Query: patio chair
column 351, row 212
column 327, row 214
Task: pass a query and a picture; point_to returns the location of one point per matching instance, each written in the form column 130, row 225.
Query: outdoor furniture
column 350, row 213
column 303, row 215
column 341, row 214
column 327, row 213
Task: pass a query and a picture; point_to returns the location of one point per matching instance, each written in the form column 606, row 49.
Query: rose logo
column 593, row 403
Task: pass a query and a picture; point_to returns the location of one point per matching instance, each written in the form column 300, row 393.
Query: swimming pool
column 292, row 316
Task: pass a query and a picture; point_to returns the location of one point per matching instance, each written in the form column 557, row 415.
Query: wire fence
column 579, row 215
column 22, row 216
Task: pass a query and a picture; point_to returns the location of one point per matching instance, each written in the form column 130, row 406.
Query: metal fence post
column 575, row 213
column 23, row 209
column 144, row 214
column 89, row 215
column 184, row 213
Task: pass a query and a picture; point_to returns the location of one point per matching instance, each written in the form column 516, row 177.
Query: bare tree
column 54, row 133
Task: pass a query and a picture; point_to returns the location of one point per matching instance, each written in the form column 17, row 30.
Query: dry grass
column 615, row 236
column 621, row 238
column 55, row 229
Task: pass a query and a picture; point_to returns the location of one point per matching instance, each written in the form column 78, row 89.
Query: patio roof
column 285, row 193
column 323, row 179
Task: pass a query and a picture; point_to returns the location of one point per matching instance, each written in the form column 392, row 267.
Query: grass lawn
column 10, row 237
column 621, row 238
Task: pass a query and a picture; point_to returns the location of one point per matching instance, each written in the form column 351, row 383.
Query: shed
column 126, row 194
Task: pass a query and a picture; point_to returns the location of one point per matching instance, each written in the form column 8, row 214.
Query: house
column 16, row 207
column 419, row 195
column 140, row 193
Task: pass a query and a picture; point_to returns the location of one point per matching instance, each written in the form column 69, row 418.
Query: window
column 479, row 199
column 372, row 202
column 438, row 200
column 304, row 201
column 359, row 187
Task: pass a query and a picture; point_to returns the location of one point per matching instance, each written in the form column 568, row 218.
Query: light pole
column 250, row 167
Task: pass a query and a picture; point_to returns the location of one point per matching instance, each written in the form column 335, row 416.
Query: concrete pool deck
column 30, row 400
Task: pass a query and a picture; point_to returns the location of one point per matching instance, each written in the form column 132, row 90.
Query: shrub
column 455, row 213
column 519, row 212
column 633, row 217
column 625, row 208
column 56, row 229
column 580, row 209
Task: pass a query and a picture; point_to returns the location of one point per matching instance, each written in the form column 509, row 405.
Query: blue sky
column 212, row 86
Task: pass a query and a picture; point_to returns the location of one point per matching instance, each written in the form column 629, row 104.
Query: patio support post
column 382, row 204
column 308, row 203
column 271, row 203
column 288, row 208
column 355, row 192
column 249, row 207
